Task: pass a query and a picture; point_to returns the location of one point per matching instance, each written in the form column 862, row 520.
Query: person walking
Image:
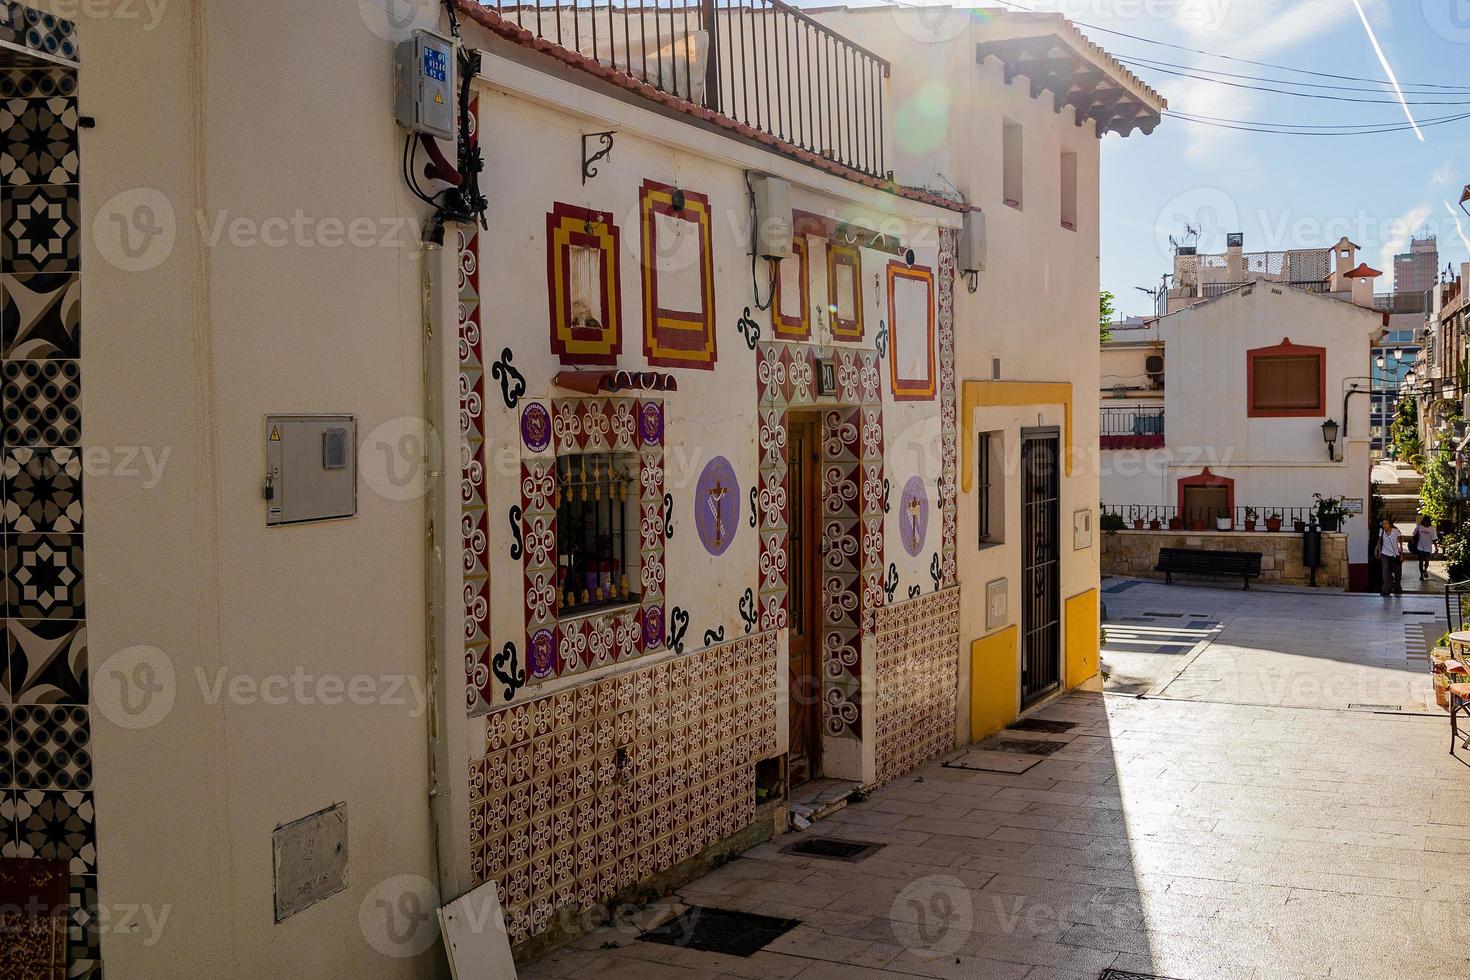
column 1423, row 541
column 1390, row 558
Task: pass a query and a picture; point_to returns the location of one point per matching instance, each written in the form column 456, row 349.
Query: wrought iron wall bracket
column 606, row 140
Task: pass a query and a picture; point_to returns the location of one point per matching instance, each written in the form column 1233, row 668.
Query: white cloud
column 1443, row 175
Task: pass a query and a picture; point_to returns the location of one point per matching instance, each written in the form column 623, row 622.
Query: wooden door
column 803, row 442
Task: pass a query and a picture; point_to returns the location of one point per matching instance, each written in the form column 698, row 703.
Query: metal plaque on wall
column 310, row 856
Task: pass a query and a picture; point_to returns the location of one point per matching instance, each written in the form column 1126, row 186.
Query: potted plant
column 1155, row 524
column 1196, row 523
column 1298, row 525
column 1250, row 518
column 1273, row 522
column 1138, row 524
column 1112, row 523
column 1331, row 513
column 1176, row 523
column 1224, row 523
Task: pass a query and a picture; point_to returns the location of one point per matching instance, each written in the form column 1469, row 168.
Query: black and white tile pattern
column 46, row 804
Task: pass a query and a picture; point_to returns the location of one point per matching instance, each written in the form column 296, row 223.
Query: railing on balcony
column 760, row 62
column 1402, row 302
column 1132, row 427
column 1165, row 517
column 1213, row 289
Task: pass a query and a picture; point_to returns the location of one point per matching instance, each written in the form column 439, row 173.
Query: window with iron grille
column 597, row 531
column 989, row 489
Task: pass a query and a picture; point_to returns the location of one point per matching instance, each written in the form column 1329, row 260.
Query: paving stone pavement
column 1186, row 838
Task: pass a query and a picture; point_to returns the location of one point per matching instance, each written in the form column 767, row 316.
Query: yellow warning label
column 275, row 434
column 438, row 98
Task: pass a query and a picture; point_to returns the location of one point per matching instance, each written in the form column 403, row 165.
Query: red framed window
column 1286, row 381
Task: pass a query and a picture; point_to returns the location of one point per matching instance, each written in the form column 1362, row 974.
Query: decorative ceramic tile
column 46, row 661
column 49, row 33
column 44, row 576
column 474, row 514
column 51, row 747
column 84, row 930
column 917, row 664
column 43, row 490
column 53, row 825
column 949, row 413
column 37, row 83
column 38, row 141
column 41, row 315
column 40, row 403
column 39, row 226
column 631, row 776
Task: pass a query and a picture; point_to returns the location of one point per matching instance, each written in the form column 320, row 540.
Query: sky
column 1283, row 191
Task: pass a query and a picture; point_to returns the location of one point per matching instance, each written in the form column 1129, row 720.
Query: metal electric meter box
column 423, row 84
column 311, row 468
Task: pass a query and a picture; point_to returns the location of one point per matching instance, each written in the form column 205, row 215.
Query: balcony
column 1133, row 427
column 1213, row 289
column 1401, row 302
column 762, row 63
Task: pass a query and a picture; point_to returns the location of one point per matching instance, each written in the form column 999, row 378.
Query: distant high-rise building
column 1415, row 271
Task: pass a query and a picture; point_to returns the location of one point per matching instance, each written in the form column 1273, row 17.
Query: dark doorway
column 803, row 441
column 1040, row 564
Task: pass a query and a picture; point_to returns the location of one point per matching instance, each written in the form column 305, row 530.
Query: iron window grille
column 597, row 557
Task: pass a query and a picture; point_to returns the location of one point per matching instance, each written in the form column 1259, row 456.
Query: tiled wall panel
column 46, row 805
column 593, row 788
column 917, row 681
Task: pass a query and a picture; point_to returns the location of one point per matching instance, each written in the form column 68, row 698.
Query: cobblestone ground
column 1239, row 822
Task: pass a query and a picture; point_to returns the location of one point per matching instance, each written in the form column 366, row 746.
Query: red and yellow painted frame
column 568, row 227
column 1285, row 349
column 795, row 327
column 910, row 389
column 1206, row 479
column 845, row 255
column 677, row 338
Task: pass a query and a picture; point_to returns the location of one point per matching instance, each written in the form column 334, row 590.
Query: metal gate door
column 1040, row 564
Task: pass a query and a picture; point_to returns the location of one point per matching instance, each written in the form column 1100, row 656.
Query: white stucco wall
column 1036, row 304
column 1275, row 462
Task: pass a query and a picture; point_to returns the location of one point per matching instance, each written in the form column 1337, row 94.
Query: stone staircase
column 1399, row 486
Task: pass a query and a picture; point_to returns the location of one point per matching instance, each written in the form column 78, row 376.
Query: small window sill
column 1013, row 204
column 600, row 609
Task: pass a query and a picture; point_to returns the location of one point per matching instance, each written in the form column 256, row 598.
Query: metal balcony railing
column 1213, row 289
column 1162, row 516
column 760, row 62
column 1402, row 302
column 1133, row 420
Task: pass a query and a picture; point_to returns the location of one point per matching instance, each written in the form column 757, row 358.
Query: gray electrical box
column 423, row 84
column 311, row 468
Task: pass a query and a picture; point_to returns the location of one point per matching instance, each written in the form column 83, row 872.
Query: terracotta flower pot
column 1138, row 524
column 1196, row 525
column 1250, row 525
column 1298, row 526
column 1273, row 524
column 1155, row 524
column 1176, row 523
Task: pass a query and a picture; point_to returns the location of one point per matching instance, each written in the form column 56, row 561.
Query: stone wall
column 1133, row 554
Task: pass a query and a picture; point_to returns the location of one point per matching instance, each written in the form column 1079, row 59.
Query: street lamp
column 1398, row 354
column 1329, row 436
column 1380, row 362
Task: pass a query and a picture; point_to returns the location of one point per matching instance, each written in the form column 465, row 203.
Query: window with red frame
column 1287, row 381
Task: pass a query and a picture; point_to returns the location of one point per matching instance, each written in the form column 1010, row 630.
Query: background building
column 1220, row 411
